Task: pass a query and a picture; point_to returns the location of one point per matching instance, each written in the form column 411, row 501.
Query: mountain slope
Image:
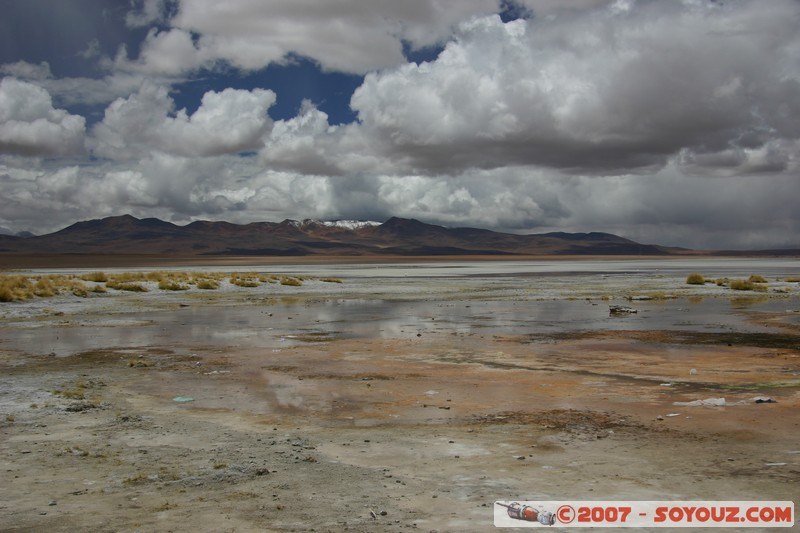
column 397, row 236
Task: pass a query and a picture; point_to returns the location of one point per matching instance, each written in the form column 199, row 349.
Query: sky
column 667, row 122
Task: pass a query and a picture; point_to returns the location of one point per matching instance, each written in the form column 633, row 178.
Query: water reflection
column 278, row 325
column 401, row 300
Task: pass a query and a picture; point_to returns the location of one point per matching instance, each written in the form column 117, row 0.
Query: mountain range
column 397, row 236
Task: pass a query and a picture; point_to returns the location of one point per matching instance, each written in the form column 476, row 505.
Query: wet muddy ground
column 394, row 402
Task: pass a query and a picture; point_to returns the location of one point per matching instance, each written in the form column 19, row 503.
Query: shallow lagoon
column 411, row 299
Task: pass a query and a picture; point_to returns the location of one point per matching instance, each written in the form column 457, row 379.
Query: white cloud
column 343, row 35
column 78, row 90
column 31, row 126
column 666, row 122
column 665, row 208
column 308, row 144
column 602, row 92
column 27, row 71
column 230, row 121
column 164, row 53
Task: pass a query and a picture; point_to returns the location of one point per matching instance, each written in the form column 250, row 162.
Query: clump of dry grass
column 15, row 288
column 172, row 285
column 245, row 279
column 43, row 288
column 755, row 278
column 740, row 285
column 97, row 277
column 20, row 288
column 746, row 285
column 125, row 286
column 792, row 280
column 695, row 279
column 127, row 277
column 207, row 284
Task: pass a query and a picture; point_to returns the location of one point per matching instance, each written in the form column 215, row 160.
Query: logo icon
column 527, row 513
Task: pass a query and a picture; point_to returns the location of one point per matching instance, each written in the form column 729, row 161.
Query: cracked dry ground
column 388, row 434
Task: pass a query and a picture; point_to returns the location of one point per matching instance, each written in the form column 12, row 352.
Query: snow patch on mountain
column 350, row 224
column 342, row 224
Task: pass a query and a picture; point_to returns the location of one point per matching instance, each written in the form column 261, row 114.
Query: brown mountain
column 397, row 236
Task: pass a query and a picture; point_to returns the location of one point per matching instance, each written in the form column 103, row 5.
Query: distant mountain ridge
column 126, row 234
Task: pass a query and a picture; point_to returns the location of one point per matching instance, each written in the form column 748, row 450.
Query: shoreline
column 13, row 261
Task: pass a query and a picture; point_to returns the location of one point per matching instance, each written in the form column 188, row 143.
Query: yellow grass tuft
column 97, row 277
column 172, row 285
column 695, row 279
column 125, row 286
column 207, row 284
column 246, row 279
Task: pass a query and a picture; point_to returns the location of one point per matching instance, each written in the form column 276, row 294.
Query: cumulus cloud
column 642, row 118
column 77, row 90
column 667, row 207
column 31, row 126
column 229, row 121
column 27, row 71
column 618, row 91
column 343, row 35
column 308, row 144
column 165, row 53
